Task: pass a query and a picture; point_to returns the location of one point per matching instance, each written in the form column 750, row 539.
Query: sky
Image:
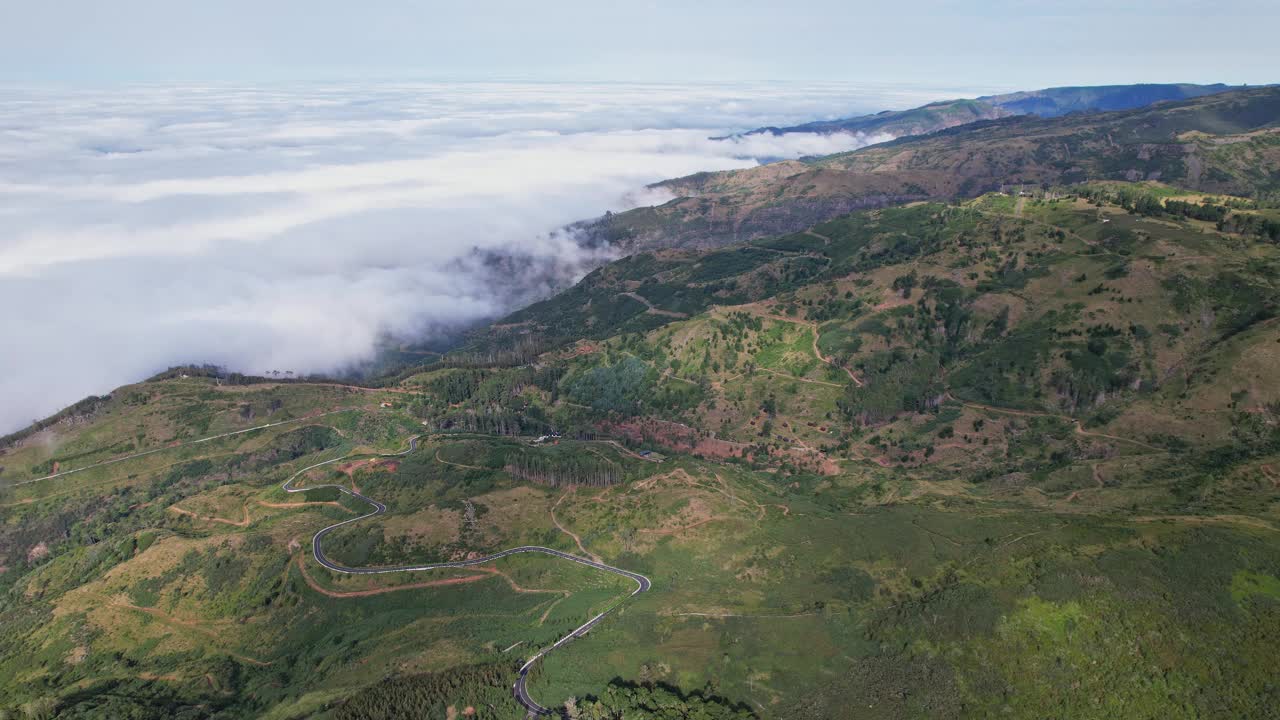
column 1018, row 44
column 291, row 185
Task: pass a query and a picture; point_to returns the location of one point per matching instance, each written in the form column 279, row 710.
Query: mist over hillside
column 299, row 228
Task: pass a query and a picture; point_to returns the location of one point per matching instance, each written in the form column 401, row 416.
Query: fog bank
column 296, row 228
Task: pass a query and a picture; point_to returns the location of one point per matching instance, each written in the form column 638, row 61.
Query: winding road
column 519, row 690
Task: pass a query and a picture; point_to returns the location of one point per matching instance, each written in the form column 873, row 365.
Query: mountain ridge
column 1047, row 102
column 1222, row 142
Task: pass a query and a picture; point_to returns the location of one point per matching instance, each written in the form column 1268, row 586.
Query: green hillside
column 1007, row 456
column 980, row 423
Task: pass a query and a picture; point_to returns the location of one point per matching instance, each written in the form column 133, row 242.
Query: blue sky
column 993, row 44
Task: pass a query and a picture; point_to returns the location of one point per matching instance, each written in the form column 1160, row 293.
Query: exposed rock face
column 38, row 552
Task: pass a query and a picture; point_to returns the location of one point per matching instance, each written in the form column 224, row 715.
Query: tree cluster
column 568, row 470
column 626, row 701
column 430, row 695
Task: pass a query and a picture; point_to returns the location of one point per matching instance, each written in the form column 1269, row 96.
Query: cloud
column 296, row 228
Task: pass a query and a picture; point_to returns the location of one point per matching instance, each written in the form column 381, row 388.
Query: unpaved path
column 1040, row 223
column 172, row 446
column 756, row 310
column 825, row 240
column 1079, row 429
column 461, row 465
column 247, row 520
column 626, row 450
column 800, row 379
column 653, row 310
column 665, row 532
column 577, row 540
column 742, row 615
column 484, row 574
column 208, row 518
column 311, row 582
column 818, row 354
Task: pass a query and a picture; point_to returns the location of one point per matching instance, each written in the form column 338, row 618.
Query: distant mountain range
column 1047, row 103
column 1220, row 142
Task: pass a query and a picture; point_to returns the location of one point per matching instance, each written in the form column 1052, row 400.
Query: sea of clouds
column 297, row 228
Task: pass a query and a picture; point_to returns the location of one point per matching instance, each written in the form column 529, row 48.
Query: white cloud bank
column 295, row 228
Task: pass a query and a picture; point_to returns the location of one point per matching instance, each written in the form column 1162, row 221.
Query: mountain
column 1050, row 102
column 898, row 123
column 1227, row 142
column 1053, row 102
column 996, row 454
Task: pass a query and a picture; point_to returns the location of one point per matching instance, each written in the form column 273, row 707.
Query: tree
column 625, row 701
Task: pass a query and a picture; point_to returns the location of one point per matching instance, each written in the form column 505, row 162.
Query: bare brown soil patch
column 38, row 552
